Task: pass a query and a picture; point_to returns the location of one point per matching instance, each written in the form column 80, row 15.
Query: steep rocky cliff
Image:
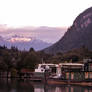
column 79, row 34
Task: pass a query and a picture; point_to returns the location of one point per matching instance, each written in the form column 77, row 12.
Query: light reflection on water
column 27, row 86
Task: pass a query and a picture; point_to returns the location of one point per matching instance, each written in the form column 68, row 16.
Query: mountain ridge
column 23, row 43
column 78, row 35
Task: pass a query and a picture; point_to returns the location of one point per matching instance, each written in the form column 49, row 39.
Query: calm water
column 27, row 86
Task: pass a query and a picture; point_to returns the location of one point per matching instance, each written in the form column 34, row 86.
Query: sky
column 52, row 13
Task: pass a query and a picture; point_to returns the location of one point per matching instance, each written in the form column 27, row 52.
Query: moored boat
column 69, row 82
column 64, row 73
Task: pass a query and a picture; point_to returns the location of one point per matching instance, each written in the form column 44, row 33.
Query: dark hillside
column 78, row 35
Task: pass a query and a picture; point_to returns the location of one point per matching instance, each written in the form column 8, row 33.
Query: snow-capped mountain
column 23, row 43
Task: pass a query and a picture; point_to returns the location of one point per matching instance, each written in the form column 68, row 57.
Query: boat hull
column 69, row 82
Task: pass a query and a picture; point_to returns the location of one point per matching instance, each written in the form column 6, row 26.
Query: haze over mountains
column 23, row 43
column 27, row 37
column 78, row 35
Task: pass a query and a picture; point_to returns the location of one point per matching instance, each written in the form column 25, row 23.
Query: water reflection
column 15, row 86
column 27, row 86
column 60, row 88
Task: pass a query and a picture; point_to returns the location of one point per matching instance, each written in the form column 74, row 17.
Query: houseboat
column 65, row 73
column 56, row 71
column 73, row 74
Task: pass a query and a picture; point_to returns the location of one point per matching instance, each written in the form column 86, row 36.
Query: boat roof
column 76, row 64
column 47, row 64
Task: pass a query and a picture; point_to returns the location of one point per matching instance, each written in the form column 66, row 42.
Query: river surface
column 27, row 86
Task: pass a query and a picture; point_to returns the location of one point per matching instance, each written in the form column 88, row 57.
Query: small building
column 26, row 73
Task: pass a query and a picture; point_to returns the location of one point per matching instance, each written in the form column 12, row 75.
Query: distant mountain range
column 23, row 43
column 47, row 34
column 26, row 37
column 79, row 34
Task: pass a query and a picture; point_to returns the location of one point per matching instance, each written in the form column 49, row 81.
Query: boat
column 71, row 74
column 63, row 73
column 43, row 70
column 58, row 81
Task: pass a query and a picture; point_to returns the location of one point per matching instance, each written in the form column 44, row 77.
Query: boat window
column 53, row 69
column 43, row 66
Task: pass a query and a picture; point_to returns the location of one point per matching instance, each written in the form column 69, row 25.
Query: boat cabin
column 58, row 70
column 46, row 67
column 67, row 67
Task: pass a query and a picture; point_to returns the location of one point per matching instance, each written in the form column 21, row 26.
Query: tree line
column 15, row 59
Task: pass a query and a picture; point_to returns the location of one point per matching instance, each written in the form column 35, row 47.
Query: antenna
column 42, row 61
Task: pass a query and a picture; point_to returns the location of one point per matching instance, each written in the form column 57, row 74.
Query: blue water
column 27, row 86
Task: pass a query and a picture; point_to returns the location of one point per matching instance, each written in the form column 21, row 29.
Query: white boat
column 43, row 67
column 52, row 70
